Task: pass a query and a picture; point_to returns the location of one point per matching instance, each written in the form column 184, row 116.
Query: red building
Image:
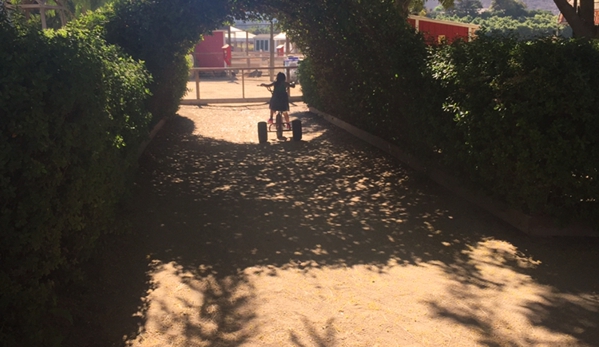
column 213, row 51
column 439, row 31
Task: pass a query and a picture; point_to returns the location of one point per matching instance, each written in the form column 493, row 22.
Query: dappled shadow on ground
column 326, row 338
column 554, row 306
column 209, row 209
column 210, row 310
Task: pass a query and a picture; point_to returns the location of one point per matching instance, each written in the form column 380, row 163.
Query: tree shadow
column 309, row 203
column 213, row 315
column 207, row 209
column 557, row 294
column 317, row 339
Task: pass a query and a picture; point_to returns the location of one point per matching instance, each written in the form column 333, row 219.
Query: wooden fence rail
column 235, row 84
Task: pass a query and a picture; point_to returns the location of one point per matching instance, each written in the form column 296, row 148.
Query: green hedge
column 365, row 60
column 309, row 84
column 160, row 33
column 520, row 120
column 72, row 117
column 74, row 110
column 515, row 119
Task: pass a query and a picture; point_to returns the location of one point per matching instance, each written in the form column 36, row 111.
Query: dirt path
column 327, row 242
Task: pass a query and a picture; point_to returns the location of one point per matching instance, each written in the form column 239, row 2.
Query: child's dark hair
column 281, row 77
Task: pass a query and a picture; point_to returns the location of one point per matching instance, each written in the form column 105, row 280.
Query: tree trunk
column 582, row 21
column 587, row 11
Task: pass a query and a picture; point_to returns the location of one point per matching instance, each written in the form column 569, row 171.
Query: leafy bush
column 365, row 60
column 536, row 24
column 513, row 118
column 72, row 118
column 74, row 111
column 520, row 120
column 309, row 84
column 160, row 33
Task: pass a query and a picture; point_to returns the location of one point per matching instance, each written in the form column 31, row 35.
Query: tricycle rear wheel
column 296, row 128
column 262, row 132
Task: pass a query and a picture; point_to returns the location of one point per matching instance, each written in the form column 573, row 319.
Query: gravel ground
column 323, row 242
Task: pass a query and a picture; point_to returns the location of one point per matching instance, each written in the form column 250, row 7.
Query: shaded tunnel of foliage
column 77, row 103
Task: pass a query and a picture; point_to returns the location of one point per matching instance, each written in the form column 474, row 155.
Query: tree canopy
column 466, row 8
column 510, row 8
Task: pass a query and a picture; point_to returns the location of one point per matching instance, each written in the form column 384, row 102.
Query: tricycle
column 279, row 126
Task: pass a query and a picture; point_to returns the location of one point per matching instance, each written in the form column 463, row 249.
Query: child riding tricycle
column 279, row 108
